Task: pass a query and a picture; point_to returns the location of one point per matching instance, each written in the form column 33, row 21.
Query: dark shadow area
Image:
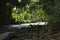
column 6, row 11
column 56, row 27
column 22, row 33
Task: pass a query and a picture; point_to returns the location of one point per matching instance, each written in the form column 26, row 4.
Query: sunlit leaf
column 19, row 0
column 35, row 0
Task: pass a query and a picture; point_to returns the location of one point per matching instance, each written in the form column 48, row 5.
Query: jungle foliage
column 29, row 11
column 32, row 11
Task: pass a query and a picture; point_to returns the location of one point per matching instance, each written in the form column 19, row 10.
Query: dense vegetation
column 29, row 13
column 26, row 11
column 22, row 11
